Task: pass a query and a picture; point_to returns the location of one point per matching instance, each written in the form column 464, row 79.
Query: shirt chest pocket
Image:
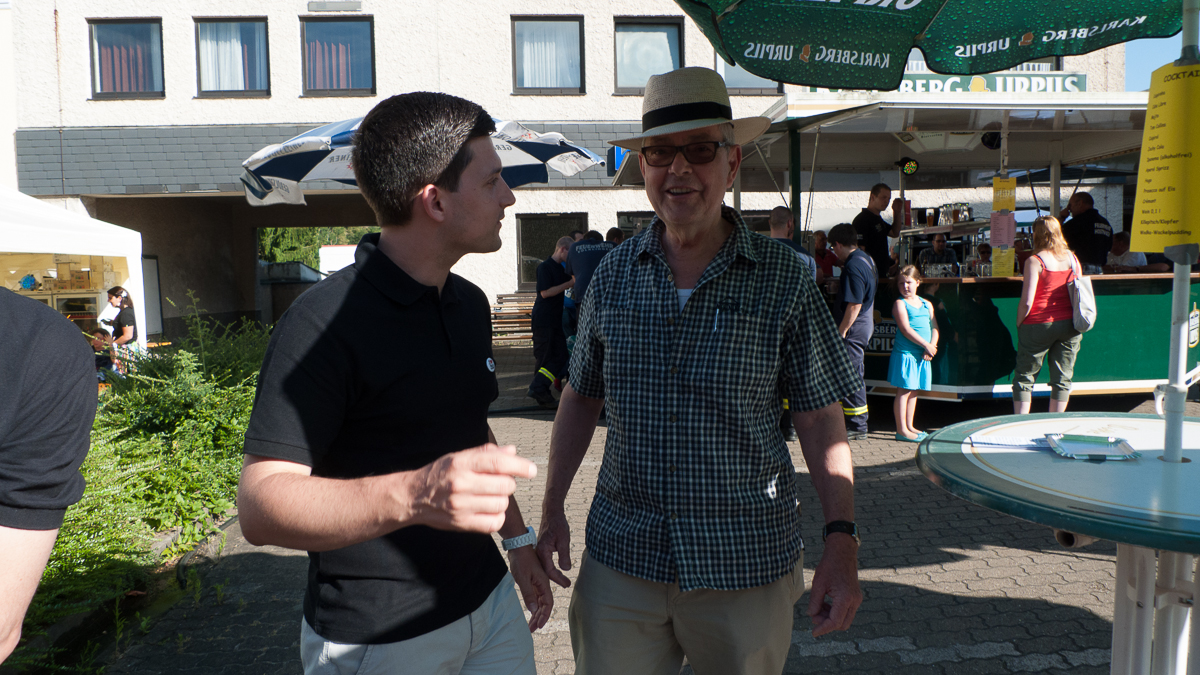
column 629, row 340
column 742, row 350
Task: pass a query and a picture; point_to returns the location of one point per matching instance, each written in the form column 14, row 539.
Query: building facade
column 141, row 113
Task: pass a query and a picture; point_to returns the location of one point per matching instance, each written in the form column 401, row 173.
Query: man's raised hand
column 468, row 490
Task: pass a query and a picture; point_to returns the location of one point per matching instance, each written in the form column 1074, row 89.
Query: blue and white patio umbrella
column 273, row 175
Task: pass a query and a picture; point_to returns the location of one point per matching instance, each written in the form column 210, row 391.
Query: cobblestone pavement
column 950, row 587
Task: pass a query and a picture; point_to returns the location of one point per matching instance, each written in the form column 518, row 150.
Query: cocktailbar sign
column 1169, row 170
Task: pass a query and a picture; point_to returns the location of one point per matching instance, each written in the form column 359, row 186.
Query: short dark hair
column 879, row 187
column 593, row 235
column 572, row 233
column 985, row 248
column 410, row 141
column 1123, row 235
column 780, row 215
column 613, row 234
column 844, row 234
column 1086, row 198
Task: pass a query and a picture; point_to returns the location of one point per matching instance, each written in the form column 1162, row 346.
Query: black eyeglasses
column 695, row 153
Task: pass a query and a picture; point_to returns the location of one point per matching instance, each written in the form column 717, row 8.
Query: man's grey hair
column 727, row 134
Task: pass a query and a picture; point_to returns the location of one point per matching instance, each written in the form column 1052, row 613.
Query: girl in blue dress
column 915, row 346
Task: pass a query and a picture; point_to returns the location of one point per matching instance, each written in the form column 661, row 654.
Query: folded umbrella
column 273, row 175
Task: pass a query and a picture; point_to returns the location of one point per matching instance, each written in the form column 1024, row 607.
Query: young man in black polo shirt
column 549, row 338
column 369, row 445
column 855, row 317
column 873, row 231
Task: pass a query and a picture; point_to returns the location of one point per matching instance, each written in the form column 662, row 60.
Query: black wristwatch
column 843, row 526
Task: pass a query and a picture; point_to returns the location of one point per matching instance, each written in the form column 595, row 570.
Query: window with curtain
column 548, row 55
column 232, row 56
column 738, row 80
column 339, row 56
column 127, row 59
column 645, row 49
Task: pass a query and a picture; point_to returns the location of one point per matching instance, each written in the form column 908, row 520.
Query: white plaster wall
column 8, row 103
column 461, row 47
column 1105, row 68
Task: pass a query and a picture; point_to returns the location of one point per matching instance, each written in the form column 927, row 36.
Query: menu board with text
column 1170, row 161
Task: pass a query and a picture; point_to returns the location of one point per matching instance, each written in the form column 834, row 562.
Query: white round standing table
column 1149, row 507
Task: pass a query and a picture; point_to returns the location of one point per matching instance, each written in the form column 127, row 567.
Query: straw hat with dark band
column 687, row 99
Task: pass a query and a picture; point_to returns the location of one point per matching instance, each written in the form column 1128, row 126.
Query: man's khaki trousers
column 623, row 625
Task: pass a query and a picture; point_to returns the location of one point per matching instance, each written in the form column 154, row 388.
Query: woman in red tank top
column 1044, row 318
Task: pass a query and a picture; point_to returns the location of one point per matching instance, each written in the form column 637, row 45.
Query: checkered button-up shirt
column 697, row 481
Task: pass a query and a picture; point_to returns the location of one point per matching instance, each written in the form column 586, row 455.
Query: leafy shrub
column 228, row 353
column 189, row 429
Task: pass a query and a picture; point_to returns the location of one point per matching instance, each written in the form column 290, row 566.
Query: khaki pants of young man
column 622, row 625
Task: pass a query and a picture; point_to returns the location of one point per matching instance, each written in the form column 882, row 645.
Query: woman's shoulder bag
column 1083, row 298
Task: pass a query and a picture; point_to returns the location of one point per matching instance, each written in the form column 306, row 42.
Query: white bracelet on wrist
column 527, row 539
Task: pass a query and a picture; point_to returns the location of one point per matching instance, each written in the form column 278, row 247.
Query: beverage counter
column 1126, row 352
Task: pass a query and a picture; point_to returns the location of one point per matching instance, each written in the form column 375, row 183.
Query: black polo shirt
column 368, row 373
column 872, row 232
column 47, row 404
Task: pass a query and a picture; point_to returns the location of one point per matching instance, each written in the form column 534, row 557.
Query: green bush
column 189, row 429
column 227, row 353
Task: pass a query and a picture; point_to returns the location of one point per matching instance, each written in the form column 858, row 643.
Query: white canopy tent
column 29, row 225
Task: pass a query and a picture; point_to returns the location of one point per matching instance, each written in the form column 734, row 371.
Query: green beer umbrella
column 864, row 44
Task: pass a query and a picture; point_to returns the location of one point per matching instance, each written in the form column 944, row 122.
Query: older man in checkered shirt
column 694, row 331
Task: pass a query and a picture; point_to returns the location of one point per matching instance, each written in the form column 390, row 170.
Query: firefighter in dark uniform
column 855, row 317
column 549, row 339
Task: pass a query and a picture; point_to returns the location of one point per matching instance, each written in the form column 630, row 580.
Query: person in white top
column 1121, row 259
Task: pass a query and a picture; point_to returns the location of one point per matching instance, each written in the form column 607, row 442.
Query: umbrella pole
column 1183, row 255
column 1191, row 33
column 812, row 173
column 1055, row 185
